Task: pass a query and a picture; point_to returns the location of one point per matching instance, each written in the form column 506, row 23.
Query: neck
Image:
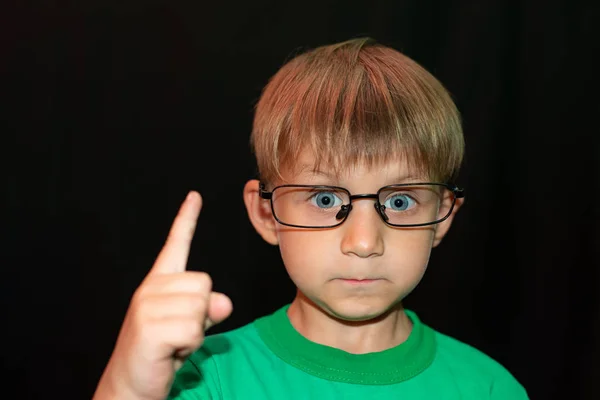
column 388, row 330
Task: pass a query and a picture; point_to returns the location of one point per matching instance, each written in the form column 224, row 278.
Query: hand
column 166, row 319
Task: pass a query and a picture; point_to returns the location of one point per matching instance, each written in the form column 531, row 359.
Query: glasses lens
column 309, row 206
column 414, row 205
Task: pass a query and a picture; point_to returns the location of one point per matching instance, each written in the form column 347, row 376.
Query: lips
column 359, row 281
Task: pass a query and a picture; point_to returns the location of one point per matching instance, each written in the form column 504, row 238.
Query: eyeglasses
column 402, row 205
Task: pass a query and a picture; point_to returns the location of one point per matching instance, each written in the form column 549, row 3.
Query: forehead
column 306, row 169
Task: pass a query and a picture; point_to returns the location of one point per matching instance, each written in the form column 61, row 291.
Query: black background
column 112, row 111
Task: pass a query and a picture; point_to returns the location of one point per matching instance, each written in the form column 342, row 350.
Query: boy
column 357, row 146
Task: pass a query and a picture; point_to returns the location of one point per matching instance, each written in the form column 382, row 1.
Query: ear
column 259, row 212
column 443, row 227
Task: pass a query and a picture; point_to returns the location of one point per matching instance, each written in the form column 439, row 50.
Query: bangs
column 357, row 103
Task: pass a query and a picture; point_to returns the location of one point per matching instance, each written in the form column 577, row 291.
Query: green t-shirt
column 269, row 359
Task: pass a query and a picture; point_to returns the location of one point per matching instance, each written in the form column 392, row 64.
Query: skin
column 328, row 310
column 166, row 319
column 172, row 308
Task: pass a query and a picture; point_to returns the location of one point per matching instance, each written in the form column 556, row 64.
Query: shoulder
column 472, row 365
column 463, row 355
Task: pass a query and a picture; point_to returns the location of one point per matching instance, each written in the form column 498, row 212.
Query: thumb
column 219, row 308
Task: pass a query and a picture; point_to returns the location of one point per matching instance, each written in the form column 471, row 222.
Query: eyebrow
column 309, row 168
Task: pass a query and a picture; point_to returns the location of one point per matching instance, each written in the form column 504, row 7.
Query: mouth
column 352, row 281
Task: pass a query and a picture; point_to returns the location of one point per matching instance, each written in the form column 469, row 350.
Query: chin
column 357, row 310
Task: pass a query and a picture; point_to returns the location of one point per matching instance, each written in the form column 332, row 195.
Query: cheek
column 311, row 256
column 306, row 254
column 410, row 251
column 417, row 243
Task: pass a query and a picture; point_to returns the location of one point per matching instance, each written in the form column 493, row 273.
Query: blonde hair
column 357, row 102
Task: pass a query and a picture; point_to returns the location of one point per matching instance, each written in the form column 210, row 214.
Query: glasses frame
column 346, row 208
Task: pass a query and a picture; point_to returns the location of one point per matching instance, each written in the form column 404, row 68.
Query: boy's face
column 326, row 264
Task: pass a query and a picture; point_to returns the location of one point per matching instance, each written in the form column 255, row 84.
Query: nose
column 363, row 231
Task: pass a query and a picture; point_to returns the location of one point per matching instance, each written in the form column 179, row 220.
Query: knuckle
column 205, row 281
column 135, row 303
column 196, row 303
column 140, row 313
column 196, row 330
column 193, row 327
column 140, row 294
column 137, row 295
column 147, row 288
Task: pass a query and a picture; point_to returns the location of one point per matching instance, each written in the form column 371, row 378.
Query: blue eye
column 399, row 202
column 326, row 200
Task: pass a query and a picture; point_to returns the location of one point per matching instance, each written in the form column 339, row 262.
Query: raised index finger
column 174, row 255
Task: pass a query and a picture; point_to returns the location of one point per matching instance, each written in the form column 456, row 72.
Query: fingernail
column 189, row 196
